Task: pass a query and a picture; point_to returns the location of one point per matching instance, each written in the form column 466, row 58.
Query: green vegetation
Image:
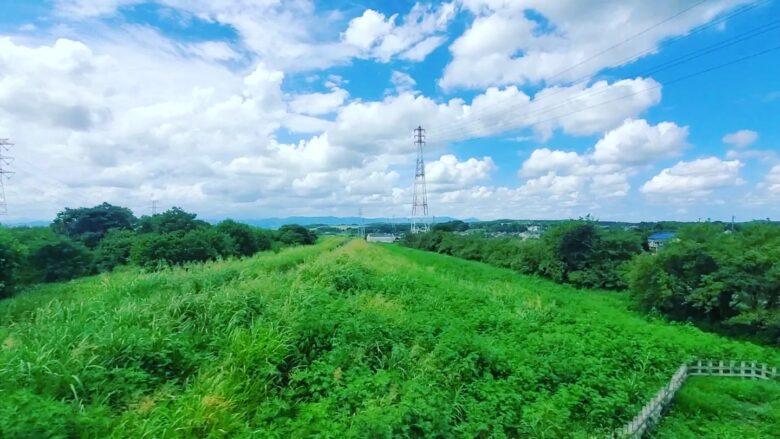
column 725, row 281
column 575, row 252
column 730, row 280
column 334, row 341
column 723, row 408
column 86, row 241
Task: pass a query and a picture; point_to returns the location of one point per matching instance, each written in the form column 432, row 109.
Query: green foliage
column 575, row 252
column 172, row 220
column 451, row 226
column 723, row 408
column 114, row 249
column 90, row 224
column 88, row 240
column 10, row 259
column 334, row 341
column 52, row 258
column 294, row 234
column 176, row 248
column 731, row 280
column 247, row 240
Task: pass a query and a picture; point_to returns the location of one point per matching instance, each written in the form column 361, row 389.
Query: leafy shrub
column 114, row 249
column 716, row 278
column 575, row 252
column 10, row 259
column 56, row 258
column 90, row 224
column 293, row 234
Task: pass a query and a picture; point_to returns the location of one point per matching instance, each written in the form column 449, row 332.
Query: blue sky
column 533, row 109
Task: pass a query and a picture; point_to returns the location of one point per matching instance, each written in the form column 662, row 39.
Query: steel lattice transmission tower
column 5, row 160
column 420, row 218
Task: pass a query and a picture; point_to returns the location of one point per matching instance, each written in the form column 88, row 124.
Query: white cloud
column 695, row 178
column 213, row 51
column 379, row 37
column 403, row 83
column 364, row 31
column 636, row 141
column 610, row 185
column 772, row 180
column 506, row 45
column 741, row 138
column 319, row 103
column 448, row 173
column 543, row 161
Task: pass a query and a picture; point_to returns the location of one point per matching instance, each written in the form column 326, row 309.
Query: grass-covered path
column 326, row 341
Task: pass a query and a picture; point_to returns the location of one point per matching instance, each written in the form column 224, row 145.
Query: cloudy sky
column 623, row 109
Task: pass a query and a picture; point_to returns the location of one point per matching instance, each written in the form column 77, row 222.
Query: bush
column 56, row 259
column 114, row 249
column 575, row 252
column 293, row 234
column 246, row 239
column 10, row 258
column 731, row 280
column 90, row 224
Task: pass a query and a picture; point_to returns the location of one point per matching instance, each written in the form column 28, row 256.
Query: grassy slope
column 362, row 341
column 723, row 408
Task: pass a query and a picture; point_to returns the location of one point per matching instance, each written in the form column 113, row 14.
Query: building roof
column 661, row 236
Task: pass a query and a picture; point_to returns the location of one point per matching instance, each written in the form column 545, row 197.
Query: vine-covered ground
column 334, row 341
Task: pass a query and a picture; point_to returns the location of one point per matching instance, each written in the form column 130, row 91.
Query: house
column 657, row 240
column 381, row 237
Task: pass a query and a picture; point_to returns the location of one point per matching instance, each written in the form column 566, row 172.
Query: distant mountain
column 275, row 223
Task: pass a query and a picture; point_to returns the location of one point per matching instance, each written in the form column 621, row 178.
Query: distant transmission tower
column 5, row 160
column 154, row 207
column 420, row 219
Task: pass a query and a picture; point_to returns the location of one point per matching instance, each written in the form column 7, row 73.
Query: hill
column 356, row 340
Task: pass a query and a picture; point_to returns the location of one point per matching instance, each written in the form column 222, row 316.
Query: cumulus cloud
column 379, row 37
column 448, row 173
column 695, row 178
column 505, row 44
column 636, row 141
column 741, row 138
column 402, row 82
column 544, row 160
column 772, row 180
column 319, row 103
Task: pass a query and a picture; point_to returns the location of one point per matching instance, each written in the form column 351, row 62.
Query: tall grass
column 333, row 341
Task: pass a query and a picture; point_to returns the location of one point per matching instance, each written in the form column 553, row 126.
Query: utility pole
column 5, row 161
column 420, row 223
column 362, row 225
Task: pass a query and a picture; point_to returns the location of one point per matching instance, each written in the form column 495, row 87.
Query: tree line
column 715, row 276
column 89, row 240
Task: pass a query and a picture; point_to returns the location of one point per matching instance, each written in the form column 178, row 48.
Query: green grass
column 334, row 341
column 723, row 408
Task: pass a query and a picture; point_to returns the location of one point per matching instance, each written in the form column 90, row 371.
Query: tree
column 247, row 241
column 114, row 249
column 58, row 259
column 10, row 258
column 90, row 224
column 172, row 220
column 294, row 234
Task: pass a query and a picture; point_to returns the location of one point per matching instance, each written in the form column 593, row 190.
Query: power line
column 636, row 35
column 676, row 80
column 443, row 135
column 453, row 134
column 5, row 160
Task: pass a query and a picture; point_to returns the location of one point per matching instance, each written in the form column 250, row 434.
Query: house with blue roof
column 657, row 240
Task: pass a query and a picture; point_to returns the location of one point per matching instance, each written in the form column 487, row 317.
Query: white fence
column 652, row 412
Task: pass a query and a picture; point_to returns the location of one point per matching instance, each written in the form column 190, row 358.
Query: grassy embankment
column 353, row 341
